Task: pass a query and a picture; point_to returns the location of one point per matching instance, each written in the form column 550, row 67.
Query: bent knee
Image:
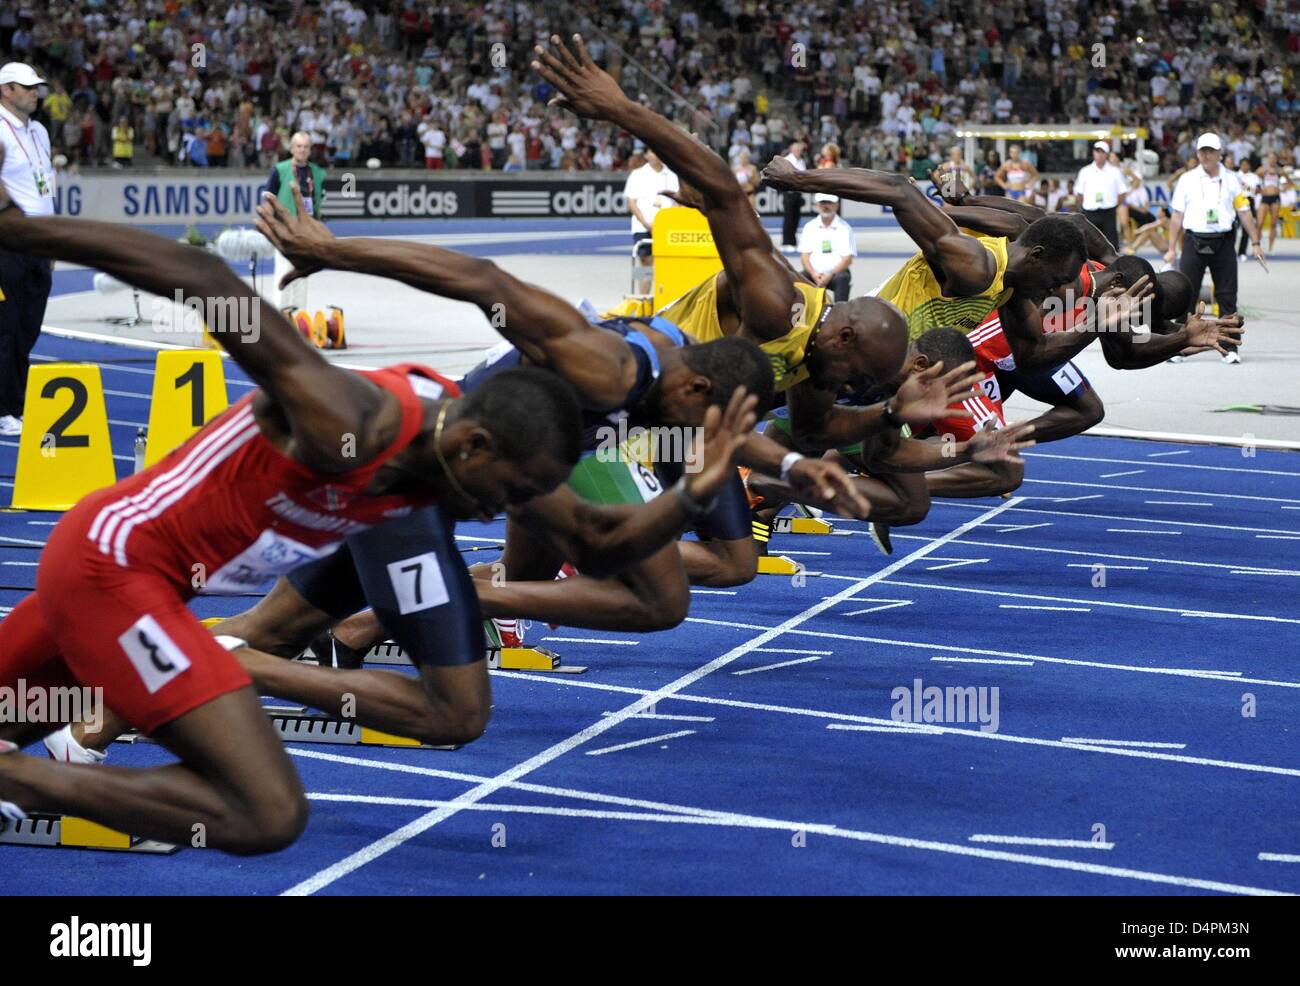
column 272, row 825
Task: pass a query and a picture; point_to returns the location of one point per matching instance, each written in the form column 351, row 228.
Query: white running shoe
column 1232, row 357
column 63, row 747
column 9, row 425
column 1176, row 359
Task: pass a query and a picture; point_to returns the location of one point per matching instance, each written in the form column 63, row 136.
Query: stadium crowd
column 447, row 85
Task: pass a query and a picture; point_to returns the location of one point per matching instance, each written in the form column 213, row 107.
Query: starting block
column 68, row 832
column 801, row 525
column 778, row 565
column 499, row 658
column 295, row 724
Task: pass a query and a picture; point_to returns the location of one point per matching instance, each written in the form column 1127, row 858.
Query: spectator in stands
column 123, row 143
column 827, row 247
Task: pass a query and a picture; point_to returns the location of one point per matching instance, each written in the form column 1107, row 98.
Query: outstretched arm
column 960, row 262
column 603, row 539
column 322, row 403
column 761, row 290
column 1198, row 335
column 544, row 327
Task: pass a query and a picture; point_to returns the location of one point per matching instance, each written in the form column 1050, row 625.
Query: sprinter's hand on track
column 991, row 444
column 830, row 485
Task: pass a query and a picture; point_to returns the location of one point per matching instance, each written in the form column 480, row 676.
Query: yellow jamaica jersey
column 696, row 314
column 916, row 292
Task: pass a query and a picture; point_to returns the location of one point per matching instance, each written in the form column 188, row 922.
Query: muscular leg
column 1073, row 416
column 235, row 785
column 720, row 564
column 974, row 479
column 651, row 596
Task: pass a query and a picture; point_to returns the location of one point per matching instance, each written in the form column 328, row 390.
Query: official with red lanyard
column 28, row 175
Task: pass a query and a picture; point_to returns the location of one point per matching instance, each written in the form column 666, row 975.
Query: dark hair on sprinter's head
column 1177, row 290
column 730, row 363
column 945, row 344
column 1058, row 237
column 529, row 412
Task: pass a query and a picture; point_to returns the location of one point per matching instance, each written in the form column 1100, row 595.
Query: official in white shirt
column 793, row 202
column 28, row 175
column 1207, row 202
column 1100, row 187
column 827, row 247
column 644, row 191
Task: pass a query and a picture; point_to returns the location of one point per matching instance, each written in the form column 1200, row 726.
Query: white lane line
column 1166, row 465
column 1279, row 537
column 1027, row 840
column 356, row 860
column 1279, row 857
column 1176, row 503
column 706, row 817
column 1151, row 489
column 1134, row 530
column 1116, row 475
column 1054, row 609
column 781, row 664
column 984, row 660
column 1137, row 520
column 1157, row 455
column 1096, row 554
column 666, row 717
column 1246, row 571
column 470, row 537
column 42, row 523
column 1065, row 661
column 1144, row 744
column 954, row 563
column 1118, row 568
column 971, row 590
column 630, row 816
column 877, row 609
column 714, row 592
column 641, row 742
column 24, row 564
column 791, row 650
column 593, row 640
column 9, row 540
column 805, row 552
column 917, row 729
column 1009, row 528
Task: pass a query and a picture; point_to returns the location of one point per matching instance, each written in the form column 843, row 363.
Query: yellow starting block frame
column 69, row 832
column 499, row 658
column 296, row 724
column 801, row 525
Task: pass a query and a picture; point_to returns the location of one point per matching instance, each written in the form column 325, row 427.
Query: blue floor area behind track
column 1134, row 609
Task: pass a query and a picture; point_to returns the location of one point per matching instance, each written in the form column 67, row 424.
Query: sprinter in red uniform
column 283, row 476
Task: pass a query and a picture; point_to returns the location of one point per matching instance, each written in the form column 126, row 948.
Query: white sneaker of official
column 9, row 425
column 1232, row 357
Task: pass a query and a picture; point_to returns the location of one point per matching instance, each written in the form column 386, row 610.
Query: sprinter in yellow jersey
column 817, row 348
column 696, row 314
column 956, row 278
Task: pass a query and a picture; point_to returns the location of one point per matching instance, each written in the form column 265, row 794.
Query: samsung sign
column 158, row 199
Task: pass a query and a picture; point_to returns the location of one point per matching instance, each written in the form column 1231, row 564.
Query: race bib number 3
column 155, row 655
column 417, row 583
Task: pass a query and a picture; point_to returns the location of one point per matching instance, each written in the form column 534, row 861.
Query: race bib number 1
column 1067, row 378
